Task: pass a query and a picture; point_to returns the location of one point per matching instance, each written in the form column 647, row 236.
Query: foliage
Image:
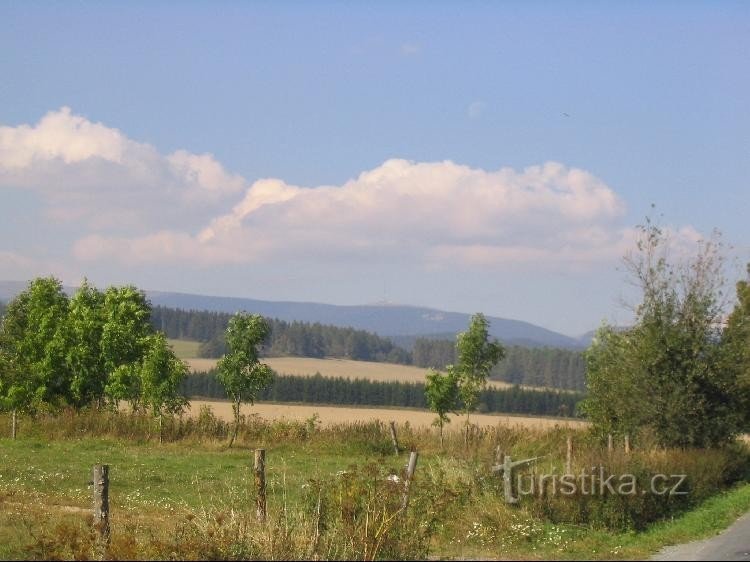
column 668, row 373
column 736, row 346
column 161, row 376
column 240, row 370
column 85, row 324
column 95, row 347
column 441, row 393
column 33, row 345
column 477, row 355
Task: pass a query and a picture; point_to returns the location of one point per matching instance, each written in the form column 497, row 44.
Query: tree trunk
column 236, row 408
column 441, row 433
column 466, row 432
column 160, row 429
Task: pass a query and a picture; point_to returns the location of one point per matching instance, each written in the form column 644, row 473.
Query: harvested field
column 306, row 366
column 333, row 414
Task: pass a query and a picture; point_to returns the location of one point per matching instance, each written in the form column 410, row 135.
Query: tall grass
column 456, row 499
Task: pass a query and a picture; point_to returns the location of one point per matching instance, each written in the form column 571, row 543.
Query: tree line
column 549, row 367
column 95, row 348
column 364, row 392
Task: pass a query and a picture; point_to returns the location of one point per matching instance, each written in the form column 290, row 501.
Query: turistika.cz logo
column 596, row 481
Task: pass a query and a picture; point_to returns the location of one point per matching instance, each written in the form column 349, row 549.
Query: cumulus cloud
column 89, row 172
column 428, row 213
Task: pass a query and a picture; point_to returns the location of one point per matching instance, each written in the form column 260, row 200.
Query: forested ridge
column 363, row 392
column 550, row 367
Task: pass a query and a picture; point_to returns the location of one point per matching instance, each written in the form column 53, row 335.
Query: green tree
column 85, row 325
column 441, row 394
column 31, row 333
column 736, row 346
column 477, row 355
column 239, row 370
column 125, row 333
column 667, row 374
column 161, row 376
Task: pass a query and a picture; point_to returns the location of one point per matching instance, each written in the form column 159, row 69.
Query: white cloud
column 90, row 172
column 425, row 213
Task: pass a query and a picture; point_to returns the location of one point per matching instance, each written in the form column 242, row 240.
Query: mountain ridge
column 385, row 320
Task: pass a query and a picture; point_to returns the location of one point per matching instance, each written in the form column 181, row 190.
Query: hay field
column 307, row 366
column 335, row 414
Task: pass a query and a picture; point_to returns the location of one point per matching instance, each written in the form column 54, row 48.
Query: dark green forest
column 554, row 368
column 363, row 392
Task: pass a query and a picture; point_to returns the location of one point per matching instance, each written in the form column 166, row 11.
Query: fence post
column 259, row 470
column 410, row 468
column 14, row 424
column 393, row 437
column 499, row 455
column 101, row 501
column 609, row 443
column 569, row 456
column 627, row 444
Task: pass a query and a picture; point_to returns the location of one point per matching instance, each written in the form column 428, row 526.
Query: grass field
column 194, row 498
column 329, row 415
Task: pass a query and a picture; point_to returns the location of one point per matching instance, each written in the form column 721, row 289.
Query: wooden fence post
column 101, row 501
column 410, row 468
column 499, row 455
column 14, row 424
column 609, row 443
column 259, row 470
column 393, row 437
column 627, row 444
column 569, row 456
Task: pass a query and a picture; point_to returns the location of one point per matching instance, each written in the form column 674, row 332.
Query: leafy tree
column 161, row 376
column 31, row 336
column 240, row 371
column 84, row 330
column 125, row 332
column 736, row 346
column 477, row 355
column 441, row 393
column 667, row 373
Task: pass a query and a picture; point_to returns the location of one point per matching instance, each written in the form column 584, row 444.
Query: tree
column 477, row 355
column 125, row 332
column 736, row 346
column 667, row 374
column 83, row 334
column 31, row 336
column 240, row 371
column 441, row 394
column 161, row 375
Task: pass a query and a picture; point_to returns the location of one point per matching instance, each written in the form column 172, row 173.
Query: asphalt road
column 732, row 544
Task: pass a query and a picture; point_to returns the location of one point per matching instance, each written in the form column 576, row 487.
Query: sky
column 490, row 157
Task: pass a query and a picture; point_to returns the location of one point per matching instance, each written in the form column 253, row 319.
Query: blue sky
column 185, row 144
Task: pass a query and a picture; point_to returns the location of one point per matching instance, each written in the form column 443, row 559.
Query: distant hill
column 385, row 320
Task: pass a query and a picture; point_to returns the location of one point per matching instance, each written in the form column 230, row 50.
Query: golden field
column 347, row 368
column 335, row 414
